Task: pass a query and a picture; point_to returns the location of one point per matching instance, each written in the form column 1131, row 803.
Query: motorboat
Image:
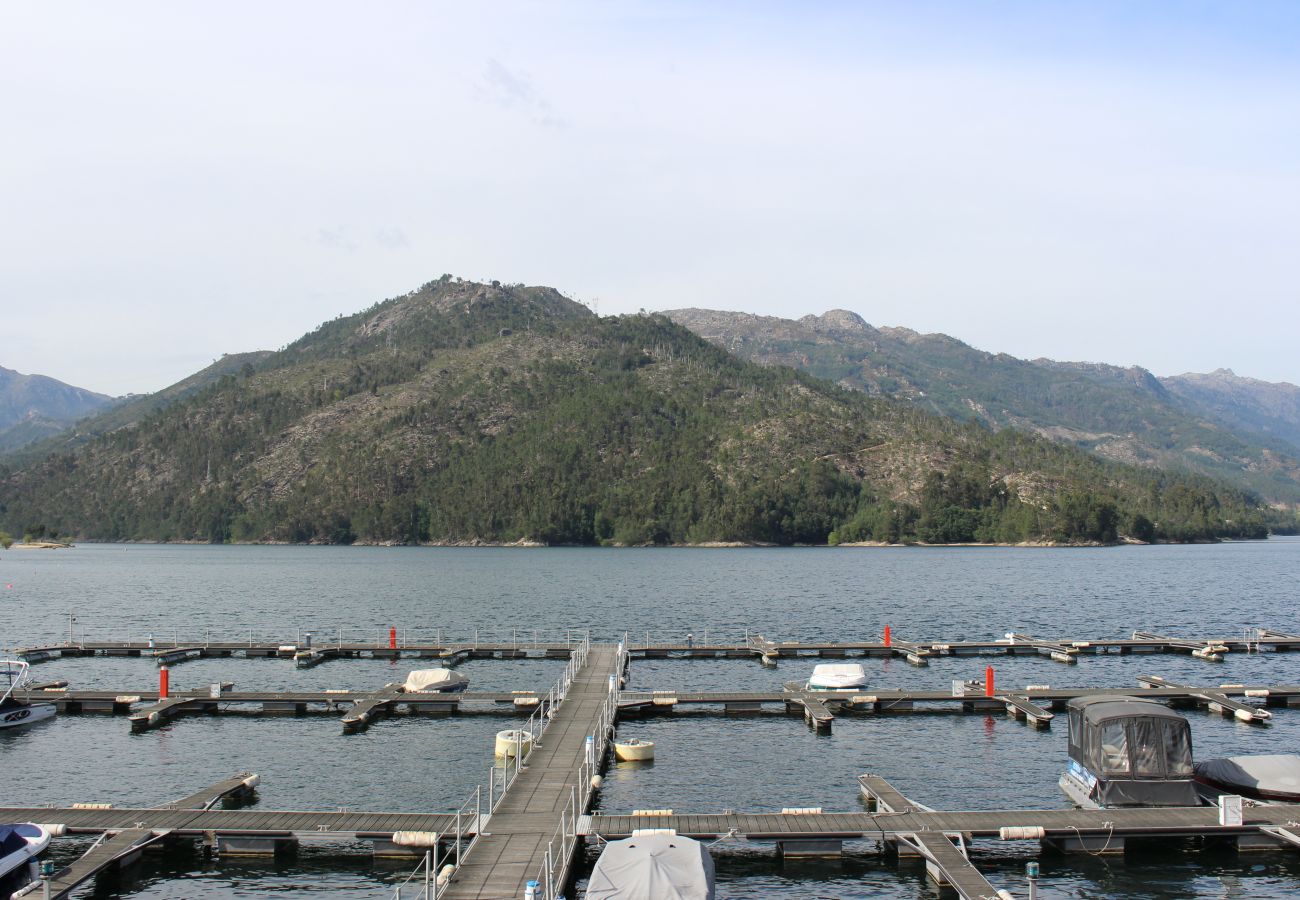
column 1126, row 751
column 20, row 842
column 1266, row 777
column 837, row 677
column 435, row 681
column 653, row 865
column 14, row 676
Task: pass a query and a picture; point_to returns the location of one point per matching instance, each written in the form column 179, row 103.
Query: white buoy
column 634, row 750
column 513, row 741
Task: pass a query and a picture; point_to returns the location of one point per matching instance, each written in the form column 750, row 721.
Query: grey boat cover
column 1273, row 777
column 653, row 867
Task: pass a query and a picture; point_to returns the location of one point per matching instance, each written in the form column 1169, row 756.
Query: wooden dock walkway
column 1031, row 705
column 121, row 847
column 1202, row 821
column 513, row 849
column 767, row 650
column 360, row 708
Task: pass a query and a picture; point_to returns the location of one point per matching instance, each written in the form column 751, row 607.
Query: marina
column 736, row 744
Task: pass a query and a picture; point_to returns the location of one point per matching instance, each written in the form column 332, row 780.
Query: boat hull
column 26, row 714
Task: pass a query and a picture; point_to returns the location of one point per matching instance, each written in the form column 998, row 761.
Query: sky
column 1112, row 182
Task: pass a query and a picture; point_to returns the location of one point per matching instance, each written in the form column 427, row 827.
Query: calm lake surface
column 704, row 763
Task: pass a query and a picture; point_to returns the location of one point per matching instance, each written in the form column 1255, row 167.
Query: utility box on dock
column 1230, row 810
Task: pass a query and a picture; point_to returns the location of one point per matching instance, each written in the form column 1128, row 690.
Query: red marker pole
column 163, row 682
column 988, row 681
column 888, row 639
column 392, row 638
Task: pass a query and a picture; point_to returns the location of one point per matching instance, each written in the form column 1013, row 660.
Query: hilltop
column 465, row 412
column 1243, row 431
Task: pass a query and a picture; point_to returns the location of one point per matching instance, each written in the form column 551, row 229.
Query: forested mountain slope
column 1126, row 415
column 469, row 412
column 35, row 406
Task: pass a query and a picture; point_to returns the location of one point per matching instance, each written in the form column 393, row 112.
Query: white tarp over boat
column 1270, row 777
column 435, row 680
column 652, row 867
column 838, row 676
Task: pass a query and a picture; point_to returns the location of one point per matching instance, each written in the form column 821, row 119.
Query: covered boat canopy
column 1140, row 751
column 653, row 867
column 1267, row 777
column 434, row 680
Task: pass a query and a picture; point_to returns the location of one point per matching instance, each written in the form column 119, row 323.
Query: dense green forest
column 465, row 412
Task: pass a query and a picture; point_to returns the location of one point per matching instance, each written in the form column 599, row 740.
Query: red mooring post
column 988, row 681
column 392, row 638
column 888, row 639
column 163, row 679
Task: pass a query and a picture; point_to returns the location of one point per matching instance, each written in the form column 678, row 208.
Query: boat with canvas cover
column 1126, row 751
column 1268, row 777
column 14, row 675
column 435, row 681
column 837, row 677
column 655, row 865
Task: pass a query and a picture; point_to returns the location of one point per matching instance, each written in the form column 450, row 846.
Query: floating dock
column 768, row 651
column 120, row 847
column 537, row 814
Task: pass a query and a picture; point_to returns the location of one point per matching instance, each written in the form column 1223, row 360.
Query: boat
column 1267, row 777
column 655, row 865
column 435, row 681
column 1126, row 751
column 20, row 842
column 14, row 675
column 837, row 677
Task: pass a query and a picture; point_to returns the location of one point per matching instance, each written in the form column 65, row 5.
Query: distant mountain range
column 465, row 412
column 33, row 407
column 1244, row 431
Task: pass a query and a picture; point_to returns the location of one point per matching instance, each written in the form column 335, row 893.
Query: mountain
column 129, row 411
column 466, row 412
column 1122, row 414
column 1261, row 408
column 34, row 406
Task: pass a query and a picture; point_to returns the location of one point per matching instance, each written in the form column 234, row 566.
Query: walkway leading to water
column 512, row 849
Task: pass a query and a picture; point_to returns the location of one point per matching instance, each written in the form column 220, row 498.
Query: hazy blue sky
column 1116, row 182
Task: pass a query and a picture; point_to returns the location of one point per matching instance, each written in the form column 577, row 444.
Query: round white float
column 634, row 750
column 511, row 741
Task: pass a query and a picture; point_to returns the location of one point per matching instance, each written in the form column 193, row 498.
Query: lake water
column 704, row 763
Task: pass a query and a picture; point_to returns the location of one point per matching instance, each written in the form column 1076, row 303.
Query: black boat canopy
column 1140, row 751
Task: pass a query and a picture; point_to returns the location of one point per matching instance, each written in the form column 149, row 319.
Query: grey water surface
column 704, row 763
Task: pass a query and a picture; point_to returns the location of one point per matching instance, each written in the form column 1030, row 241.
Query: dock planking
column 1032, row 705
column 121, row 846
column 512, row 851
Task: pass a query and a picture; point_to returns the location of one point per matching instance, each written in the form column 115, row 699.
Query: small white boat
column 14, row 675
column 661, row 865
column 20, row 842
column 837, row 677
column 512, row 742
column 435, row 681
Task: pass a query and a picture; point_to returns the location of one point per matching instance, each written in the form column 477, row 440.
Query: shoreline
column 527, row 544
